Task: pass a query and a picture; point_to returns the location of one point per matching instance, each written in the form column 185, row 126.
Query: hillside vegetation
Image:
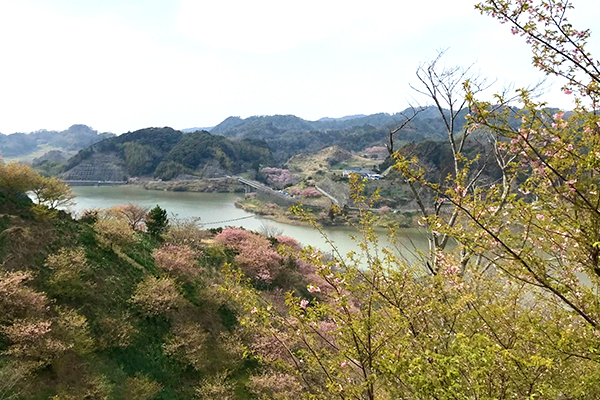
column 166, row 153
column 288, row 135
column 103, row 308
column 238, row 145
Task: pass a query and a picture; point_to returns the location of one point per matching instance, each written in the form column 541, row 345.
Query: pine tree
column 157, row 221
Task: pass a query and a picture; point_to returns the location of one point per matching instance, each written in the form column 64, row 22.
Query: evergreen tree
column 157, row 221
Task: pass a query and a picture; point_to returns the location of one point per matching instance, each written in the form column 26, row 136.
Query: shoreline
column 271, row 210
column 283, row 215
column 213, row 185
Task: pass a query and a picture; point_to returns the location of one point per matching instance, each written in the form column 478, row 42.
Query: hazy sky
column 120, row 65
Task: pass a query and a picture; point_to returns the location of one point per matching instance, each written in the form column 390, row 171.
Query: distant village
column 363, row 172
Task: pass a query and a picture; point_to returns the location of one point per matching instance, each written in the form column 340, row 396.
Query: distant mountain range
column 236, row 126
column 288, row 135
column 236, row 145
column 233, row 146
column 68, row 141
column 341, row 118
column 188, row 130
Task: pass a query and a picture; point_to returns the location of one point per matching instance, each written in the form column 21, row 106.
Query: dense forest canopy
column 166, row 153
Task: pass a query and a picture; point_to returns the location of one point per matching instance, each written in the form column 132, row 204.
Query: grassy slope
column 104, row 292
column 326, row 160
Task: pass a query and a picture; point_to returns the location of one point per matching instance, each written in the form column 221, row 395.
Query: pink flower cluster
column 278, row 177
column 179, row 261
column 256, row 258
column 287, row 241
column 384, row 210
column 375, row 150
column 311, row 192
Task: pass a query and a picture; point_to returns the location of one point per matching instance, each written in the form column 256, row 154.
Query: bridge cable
column 227, row 220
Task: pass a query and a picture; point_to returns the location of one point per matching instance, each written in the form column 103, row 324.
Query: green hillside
column 95, row 309
column 288, row 135
column 165, row 153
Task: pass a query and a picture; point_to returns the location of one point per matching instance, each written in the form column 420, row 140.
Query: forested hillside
column 288, row 135
column 166, row 153
column 237, row 145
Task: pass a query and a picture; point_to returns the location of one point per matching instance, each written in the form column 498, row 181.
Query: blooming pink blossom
column 278, row 177
column 375, row 150
column 288, row 242
column 311, row 192
column 384, row 209
column 256, row 258
column 313, row 289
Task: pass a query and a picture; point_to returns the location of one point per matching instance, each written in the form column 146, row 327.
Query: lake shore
column 282, row 214
column 271, row 210
column 214, row 185
column 216, row 210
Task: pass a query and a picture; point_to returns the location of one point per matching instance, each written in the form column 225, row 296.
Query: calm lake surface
column 218, row 210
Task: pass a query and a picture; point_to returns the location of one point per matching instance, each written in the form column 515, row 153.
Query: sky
column 123, row 65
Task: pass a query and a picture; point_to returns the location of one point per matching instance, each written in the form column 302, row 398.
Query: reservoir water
column 218, row 210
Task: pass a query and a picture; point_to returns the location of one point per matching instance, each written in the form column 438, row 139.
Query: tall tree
column 157, row 221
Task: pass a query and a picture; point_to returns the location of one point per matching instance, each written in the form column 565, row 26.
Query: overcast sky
column 122, row 65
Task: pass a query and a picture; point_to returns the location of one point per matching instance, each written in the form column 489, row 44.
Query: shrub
column 278, row 177
column 140, row 387
column 187, row 343
column 216, row 387
column 17, row 300
column 186, row 231
column 134, row 214
column 179, row 261
column 234, row 237
column 275, row 386
column 287, row 241
column 114, row 231
column 67, row 265
column 156, row 296
column 311, row 192
column 256, row 258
